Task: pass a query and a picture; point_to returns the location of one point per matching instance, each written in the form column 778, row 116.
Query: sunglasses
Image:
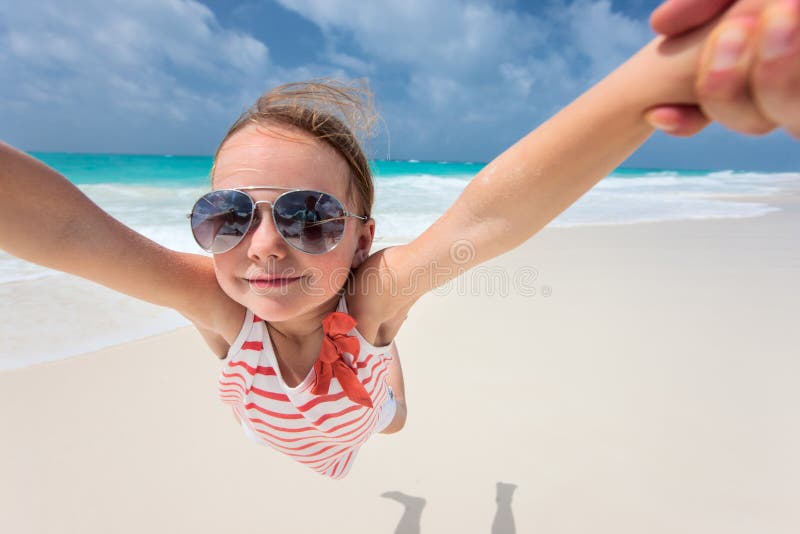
column 310, row 221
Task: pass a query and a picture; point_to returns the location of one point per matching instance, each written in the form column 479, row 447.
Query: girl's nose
column 265, row 241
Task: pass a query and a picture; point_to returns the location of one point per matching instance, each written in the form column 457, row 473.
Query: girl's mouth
column 266, row 283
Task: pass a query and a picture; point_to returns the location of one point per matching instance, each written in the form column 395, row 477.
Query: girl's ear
column 365, row 236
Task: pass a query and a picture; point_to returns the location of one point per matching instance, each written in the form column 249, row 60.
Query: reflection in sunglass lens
column 310, row 221
column 220, row 219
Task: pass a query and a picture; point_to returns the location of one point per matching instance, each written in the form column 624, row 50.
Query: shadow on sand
column 412, row 513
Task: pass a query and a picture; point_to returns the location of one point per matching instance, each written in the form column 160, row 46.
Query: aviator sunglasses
column 310, row 221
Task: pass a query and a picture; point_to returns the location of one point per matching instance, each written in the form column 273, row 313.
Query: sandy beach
column 629, row 379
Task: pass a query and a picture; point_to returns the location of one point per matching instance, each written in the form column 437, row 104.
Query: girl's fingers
column 677, row 120
column 749, row 76
column 723, row 84
column 776, row 73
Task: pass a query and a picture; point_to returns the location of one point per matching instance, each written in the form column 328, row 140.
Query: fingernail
column 664, row 126
column 781, row 28
column 730, row 46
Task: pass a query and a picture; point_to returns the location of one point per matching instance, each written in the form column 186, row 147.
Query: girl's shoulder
column 377, row 299
column 375, row 328
column 230, row 319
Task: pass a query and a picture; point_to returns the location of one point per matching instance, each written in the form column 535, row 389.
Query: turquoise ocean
column 153, row 193
column 47, row 315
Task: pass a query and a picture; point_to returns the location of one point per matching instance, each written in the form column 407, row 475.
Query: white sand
column 654, row 390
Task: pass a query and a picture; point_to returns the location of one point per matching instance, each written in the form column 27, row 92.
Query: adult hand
column 749, row 73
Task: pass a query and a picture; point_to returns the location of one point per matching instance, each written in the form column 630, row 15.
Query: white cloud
column 165, row 59
column 465, row 38
column 472, row 62
column 446, row 34
column 127, row 34
column 351, row 63
column 460, row 68
column 605, row 37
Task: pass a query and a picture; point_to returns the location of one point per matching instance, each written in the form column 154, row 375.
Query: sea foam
column 152, row 195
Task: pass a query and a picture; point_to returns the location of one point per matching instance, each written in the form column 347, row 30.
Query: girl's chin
column 283, row 307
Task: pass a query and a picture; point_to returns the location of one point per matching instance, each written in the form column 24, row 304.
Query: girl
column 291, row 299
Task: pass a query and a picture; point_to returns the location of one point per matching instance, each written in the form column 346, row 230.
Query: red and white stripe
column 323, row 432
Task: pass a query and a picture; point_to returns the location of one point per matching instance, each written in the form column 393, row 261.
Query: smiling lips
column 277, row 281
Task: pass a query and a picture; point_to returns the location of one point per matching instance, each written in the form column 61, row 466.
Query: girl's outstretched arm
column 46, row 220
column 537, row 178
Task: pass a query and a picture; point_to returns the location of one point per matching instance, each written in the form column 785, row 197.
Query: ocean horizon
column 48, row 315
column 152, row 194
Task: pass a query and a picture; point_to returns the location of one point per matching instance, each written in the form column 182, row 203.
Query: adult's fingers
column 677, row 16
column 677, row 120
column 776, row 74
column 723, row 84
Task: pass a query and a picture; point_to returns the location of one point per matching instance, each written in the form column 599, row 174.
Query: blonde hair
column 328, row 110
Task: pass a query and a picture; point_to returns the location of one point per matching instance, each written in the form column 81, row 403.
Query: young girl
column 291, row 299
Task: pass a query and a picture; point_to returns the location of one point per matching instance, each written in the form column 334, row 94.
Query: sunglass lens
column 310, row 221
column 221, row 219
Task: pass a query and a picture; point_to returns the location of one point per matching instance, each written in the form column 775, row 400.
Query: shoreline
column 126, row 320
column 656, row 379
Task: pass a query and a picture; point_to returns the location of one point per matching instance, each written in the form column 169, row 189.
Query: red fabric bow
column 331, row 363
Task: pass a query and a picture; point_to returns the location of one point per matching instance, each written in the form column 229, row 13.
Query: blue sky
column 454, row 80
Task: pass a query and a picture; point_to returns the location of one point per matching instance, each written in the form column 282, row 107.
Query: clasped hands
column 749, row 73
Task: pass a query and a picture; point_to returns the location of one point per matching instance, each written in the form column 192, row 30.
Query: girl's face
column 282, row 157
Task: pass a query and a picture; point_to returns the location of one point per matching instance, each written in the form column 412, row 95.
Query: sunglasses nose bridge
column 258, row 217
column 257, row 202
column 258, row 220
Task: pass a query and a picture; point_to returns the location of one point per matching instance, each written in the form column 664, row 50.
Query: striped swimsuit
column 323, row 432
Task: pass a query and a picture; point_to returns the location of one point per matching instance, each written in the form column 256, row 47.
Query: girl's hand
column 749, row 74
